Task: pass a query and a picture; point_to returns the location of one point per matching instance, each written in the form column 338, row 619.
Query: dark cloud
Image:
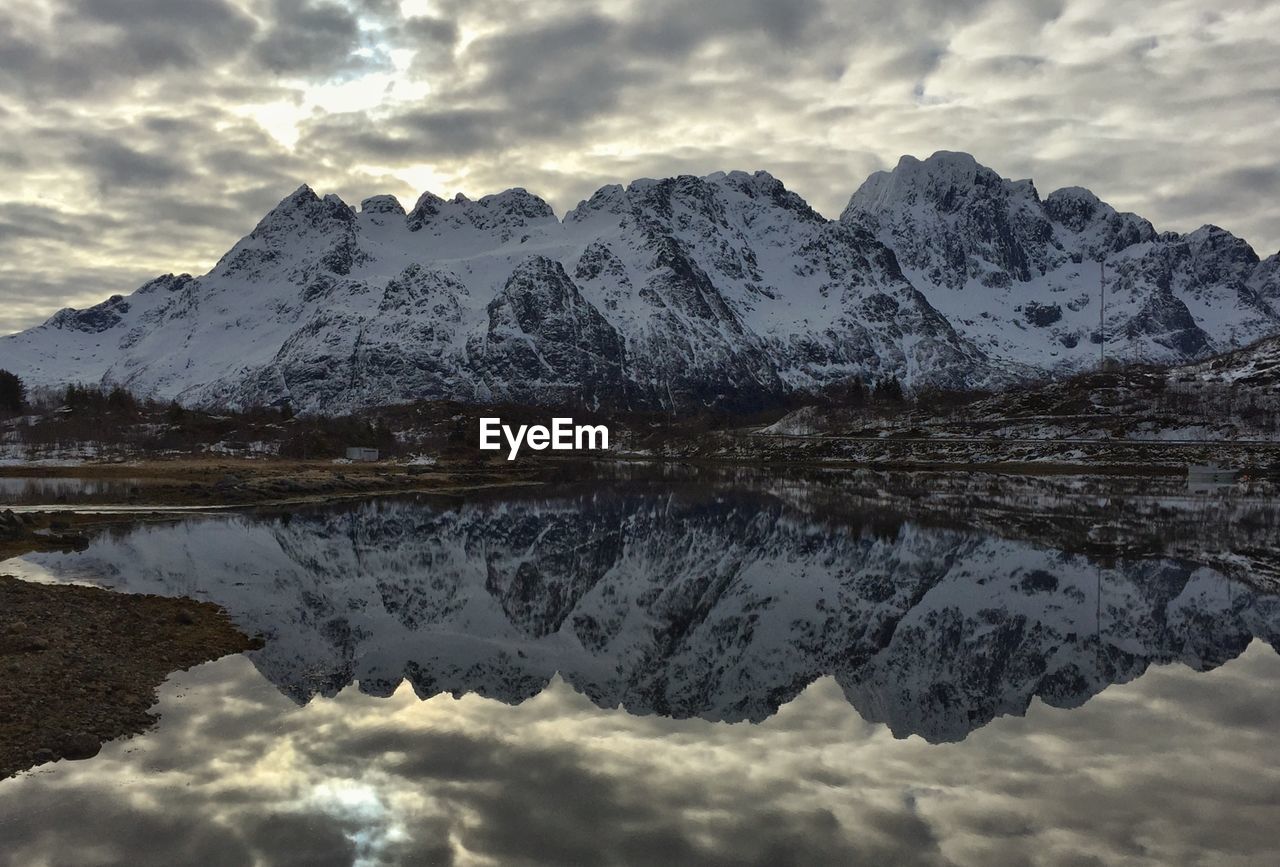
column 542, row 82
column 546, row 805
column 434, row 41
column 107, row 830
column 176, row 125
column 308, row 37
column 115, row 164
column 1225, row 193
column 30, row 221
column 84, row 48
column 1162, row 770
column 1015, row 64
column 87, row 47
column 301, row 839
column 914, row 61
column 405, row 137
column 191, row 15
column 198, row 178
column 383, row 9
column 548, row 82
column 673, row 28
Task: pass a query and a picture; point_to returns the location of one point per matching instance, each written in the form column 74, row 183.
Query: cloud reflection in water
column 688, row 610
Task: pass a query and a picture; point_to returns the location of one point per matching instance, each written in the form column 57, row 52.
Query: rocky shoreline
column 80, row 666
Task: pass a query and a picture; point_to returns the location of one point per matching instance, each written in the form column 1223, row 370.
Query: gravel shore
column 80, row 666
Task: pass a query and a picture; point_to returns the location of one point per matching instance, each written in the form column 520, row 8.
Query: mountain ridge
column 725, row 291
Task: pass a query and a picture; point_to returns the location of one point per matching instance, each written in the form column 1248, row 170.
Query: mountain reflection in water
column 619, row 624
column 721, row 605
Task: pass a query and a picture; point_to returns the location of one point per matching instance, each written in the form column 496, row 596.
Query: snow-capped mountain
column 724, row 291
column 722, row 605
column 1020, row 276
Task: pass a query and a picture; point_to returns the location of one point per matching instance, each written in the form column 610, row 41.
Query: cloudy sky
column 1169, row 769
column 139, row 137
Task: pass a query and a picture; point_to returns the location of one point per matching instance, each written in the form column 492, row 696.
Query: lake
column 699, row 668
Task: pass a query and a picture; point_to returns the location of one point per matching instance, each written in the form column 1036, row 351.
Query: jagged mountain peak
column 1099, row 229
column 302, row 209
column 713, row 197
column 305, row 200
column 303, row 195
column 957, row 165
column 943, row 160
column 1215, row 238
column 759, row 181
column 519, row 201
column 165, row 283
column 942, row 183
column 976, row 242
column 1265, row 279
column 763, row 185
column 382, row 205
column 1076, row 208
column 1084, row 198
column 952, row 221
column 424, row 210
column 300, row 200
column 509, row 209
column 723, row 290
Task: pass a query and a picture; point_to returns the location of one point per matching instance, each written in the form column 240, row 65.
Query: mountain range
column 723, row 291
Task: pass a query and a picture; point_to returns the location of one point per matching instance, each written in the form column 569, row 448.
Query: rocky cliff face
column 725, row 291
column 1021, row 276
column 722, row 605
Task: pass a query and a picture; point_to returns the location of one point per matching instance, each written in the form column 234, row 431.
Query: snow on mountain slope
column 1020, row 276
column 724, row 291
column 722, row 605
column 1253, row 371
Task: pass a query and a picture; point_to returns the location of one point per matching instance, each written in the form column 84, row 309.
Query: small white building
column 359, row 453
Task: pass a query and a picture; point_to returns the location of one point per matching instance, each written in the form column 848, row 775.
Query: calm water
column 54, row 490
column 860, row 669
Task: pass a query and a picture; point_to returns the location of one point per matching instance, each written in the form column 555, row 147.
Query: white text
column 562, row 436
